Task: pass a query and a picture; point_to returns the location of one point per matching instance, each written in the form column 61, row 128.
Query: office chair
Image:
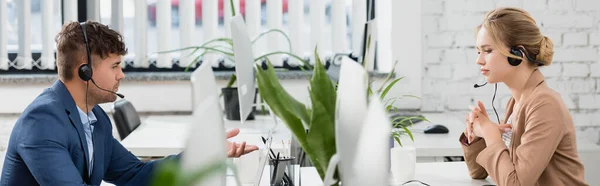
column 126, row 118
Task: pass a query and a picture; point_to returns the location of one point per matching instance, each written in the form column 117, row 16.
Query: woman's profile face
column 494, row 65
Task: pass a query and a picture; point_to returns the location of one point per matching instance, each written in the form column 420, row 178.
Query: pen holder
column 282, row 171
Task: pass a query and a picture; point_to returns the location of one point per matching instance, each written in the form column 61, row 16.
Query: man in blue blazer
column 63, row 137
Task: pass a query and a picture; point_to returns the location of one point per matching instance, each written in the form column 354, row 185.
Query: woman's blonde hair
column 512, row 27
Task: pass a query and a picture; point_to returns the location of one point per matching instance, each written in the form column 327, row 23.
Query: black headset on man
column 517, row 51
column 85, row 70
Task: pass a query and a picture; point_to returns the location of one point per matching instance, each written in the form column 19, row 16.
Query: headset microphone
column 493, row 98
column 477, row 86
column 120, row 95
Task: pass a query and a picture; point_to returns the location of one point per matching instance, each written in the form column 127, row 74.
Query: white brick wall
column 440, row 39
column 578, row 85
column 460, row 22
column 556, row 38
column 535, row 5
column 439, row 71
column 575, row 70
column 450, row 69
column 568, row 21
column 433, row 7
column 455, row 55
column 595, row 70
column 553, row 70
column 576, row 39
column 575, row 54
column 560, row 5
column 590, row 101
column 430, row 23
column 587, row 5
column 465, row 39
column 595, row 38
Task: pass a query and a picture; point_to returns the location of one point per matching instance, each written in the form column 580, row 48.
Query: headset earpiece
column 517, row 52
column 520, row 51
column 85, row 72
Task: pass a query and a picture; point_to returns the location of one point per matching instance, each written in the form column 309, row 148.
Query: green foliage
column 319, row 141
column 170, row 173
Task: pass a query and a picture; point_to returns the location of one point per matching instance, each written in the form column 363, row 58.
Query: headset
column 85, row 70
column 520, row 51
column 517, row 51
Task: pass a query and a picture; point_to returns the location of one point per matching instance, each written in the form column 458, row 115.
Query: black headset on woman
column 517, row 51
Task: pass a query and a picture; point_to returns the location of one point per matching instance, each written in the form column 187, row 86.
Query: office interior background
column 432, row 42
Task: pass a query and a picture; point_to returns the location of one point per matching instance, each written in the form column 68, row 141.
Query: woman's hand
column 483, row 127
column 478, row 115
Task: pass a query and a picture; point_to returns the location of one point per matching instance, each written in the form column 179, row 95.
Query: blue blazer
column 48, row 147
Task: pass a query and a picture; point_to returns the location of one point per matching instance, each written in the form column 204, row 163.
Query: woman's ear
column 523, row 51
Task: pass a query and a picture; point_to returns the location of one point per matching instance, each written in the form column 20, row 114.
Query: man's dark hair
column 71, row 51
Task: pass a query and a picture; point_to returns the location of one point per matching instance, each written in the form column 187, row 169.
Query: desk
column 165, row 135
column 438, row 173
column 444, row 173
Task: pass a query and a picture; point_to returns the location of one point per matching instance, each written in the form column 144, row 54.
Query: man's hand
column 235, row 150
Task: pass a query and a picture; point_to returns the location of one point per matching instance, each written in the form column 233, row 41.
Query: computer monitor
column 244, row 66
column 370, row 41
column 351, row 107
column 206, row 145
column 203, row 85
column 371, row 163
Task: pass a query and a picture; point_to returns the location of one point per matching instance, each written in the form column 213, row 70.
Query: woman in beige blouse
column 539, row 146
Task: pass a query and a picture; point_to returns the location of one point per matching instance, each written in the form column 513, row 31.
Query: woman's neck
column 516, row 83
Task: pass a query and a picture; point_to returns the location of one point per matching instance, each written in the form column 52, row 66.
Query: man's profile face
column 107, row 74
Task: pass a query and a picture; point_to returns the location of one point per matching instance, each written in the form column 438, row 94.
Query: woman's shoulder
column 544, row 97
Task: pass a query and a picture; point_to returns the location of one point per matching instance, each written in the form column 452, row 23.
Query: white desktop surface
column 439, row 173
column 165, row 135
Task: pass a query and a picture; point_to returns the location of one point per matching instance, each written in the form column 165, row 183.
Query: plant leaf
column 322, row 87
column 321, row 135
column 411, row 96
column 389, row 76
column 203, row 172
column 389, row 87
column 232, row 80
column 282, row 104
column 397, row 138
column 275, row 30
column 214, row 49
column 390, row 106
column 232, row 8
column 167, row 173
column 288, row 53
column 409, row 133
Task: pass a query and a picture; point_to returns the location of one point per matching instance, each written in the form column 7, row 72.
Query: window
column 152, row 35
column 35, row 26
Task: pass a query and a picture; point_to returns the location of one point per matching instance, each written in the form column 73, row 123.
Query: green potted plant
column 314, row 127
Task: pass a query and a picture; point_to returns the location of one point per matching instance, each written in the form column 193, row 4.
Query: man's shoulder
column 46, row 102
column 46, row 108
